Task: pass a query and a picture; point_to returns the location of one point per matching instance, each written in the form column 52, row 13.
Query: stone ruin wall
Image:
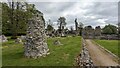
column 84, row 58
column 35, row 45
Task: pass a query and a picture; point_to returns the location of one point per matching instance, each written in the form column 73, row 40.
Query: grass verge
column 111, row 45
column 64, row 55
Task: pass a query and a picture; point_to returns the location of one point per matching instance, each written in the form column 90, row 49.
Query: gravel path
column 99, row 57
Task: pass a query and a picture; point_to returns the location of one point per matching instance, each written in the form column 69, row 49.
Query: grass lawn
column 111, row 45
column 64, row 55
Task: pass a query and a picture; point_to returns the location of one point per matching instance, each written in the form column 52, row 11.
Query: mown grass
column 111, row 45
column 64, row 55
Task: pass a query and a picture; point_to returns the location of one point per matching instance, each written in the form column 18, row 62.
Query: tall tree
column 119, row 28
column 0, row 18
column 50, row 27
column 80, row 27
column 62, row 24
column 76, row 24
column 6, row 25
column 15, row 17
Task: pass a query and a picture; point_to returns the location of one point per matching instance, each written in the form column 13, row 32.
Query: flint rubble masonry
column 35, row 43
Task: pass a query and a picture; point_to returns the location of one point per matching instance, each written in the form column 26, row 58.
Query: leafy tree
column 5, row 19
column 15, row 17
column 50, row 28
column 80, row 27
column 110, row 29
column 62, row 24
column 107, row 30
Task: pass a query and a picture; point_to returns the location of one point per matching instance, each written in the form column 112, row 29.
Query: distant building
column 97, row 32
column 89, row 32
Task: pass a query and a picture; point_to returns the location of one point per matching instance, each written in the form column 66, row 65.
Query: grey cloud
column 53, row 7
column 103, row 8
column 100, row 10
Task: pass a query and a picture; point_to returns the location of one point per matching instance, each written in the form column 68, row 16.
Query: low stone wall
column 84, row 58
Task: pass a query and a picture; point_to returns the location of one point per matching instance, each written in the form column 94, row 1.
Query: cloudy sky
column 89, row 13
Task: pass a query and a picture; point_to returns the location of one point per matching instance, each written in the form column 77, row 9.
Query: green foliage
column 14, row 20
column 5, row 19
column 61, row 22
column 63, row 55
column 80, row 28
column 50, row 27
column 107, row 30
column 110, row 29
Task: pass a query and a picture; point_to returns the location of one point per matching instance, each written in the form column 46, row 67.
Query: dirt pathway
column 99, row 57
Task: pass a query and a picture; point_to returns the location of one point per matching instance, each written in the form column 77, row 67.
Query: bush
column 14, row 37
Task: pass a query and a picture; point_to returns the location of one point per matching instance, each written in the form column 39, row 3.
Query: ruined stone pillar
column 35, row 45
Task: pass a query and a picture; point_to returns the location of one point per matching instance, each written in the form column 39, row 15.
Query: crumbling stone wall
column 84, row 58
column 35, row 45
column 3, row 38
column 89, row 32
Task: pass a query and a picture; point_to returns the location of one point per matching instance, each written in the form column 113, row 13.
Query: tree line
column 15, row 16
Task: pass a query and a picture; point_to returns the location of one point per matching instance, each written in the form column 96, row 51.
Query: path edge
column 109, row 52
